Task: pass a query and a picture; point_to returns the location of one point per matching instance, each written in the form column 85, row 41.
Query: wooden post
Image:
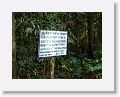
column 52, row 63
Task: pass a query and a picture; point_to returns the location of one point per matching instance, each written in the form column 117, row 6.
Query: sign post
column 52, row 63
column 52, row 43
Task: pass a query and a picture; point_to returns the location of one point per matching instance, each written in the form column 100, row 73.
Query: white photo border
column 104, row 84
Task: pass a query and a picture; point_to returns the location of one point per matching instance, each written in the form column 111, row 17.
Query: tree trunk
column 100, row 28
column 90, row 49
column 13, row 48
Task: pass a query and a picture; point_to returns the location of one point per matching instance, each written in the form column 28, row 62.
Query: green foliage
column 83, row 59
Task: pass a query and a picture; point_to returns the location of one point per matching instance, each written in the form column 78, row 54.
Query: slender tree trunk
column 100, row 28
column 13, row 48
column 90, row 49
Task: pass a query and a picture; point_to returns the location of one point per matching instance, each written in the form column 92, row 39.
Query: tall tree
column 13, row 47
column 90, row 48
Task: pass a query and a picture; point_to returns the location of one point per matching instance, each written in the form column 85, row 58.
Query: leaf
column 29, row 30
column 21, row 63
column 64, row 67
column 97, row 60
column 98, row 66
column 33, row 24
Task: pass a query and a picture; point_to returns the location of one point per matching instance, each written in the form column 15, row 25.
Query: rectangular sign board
column 52, row 43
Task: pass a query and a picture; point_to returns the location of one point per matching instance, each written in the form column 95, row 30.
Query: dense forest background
column 84, row 48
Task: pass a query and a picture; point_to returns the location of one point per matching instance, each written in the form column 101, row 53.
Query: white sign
column 52, row 43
